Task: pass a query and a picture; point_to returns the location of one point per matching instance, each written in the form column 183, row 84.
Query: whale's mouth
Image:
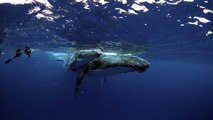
column 143, row 68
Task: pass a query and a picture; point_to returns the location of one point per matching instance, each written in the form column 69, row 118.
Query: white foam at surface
column 188, row 0
column 130, row 11
column 148, row 1
column 34, row 10
column 209, row 33
column 201, row 6
column 78, row 0
column 120, row 10
column 49, row 18
column 39, row 16
column 190, row 17
column 193, row 23
column 182, row 25
column 47, row 12
column 103, row 2
column 134, row 7
column 160, row 2
column 22, row 2
column 17, row 2
column 170, row 2
column 45, row 2
column 122, row 1
column 201, row 19
column 200, row 25
column 139, row 7
column 86, row 7
column 174, row 3
column 207, row 11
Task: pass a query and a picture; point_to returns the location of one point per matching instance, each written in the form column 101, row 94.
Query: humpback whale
column 80, row 58
column 95, row 62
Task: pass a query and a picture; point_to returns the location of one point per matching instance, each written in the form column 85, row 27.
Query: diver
column 1, row 52
column 17, row 54
column 28, row 51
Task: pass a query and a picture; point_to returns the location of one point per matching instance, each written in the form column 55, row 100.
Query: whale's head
column 138, row 64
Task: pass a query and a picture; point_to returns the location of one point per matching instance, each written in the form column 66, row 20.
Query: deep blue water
column 177, row 86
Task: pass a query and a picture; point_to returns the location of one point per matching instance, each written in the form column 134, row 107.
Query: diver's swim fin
column 8, row 61
column 28, row 56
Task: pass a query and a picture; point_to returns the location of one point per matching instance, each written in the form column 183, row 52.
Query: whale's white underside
column 108, row 72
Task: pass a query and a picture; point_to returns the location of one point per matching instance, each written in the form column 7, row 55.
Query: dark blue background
column 177, row 86
column 168, row 90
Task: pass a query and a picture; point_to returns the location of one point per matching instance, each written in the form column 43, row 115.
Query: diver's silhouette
column 28, row 51
column 18, row 54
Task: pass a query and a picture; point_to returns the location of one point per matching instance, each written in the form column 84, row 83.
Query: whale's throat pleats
column 108, row 72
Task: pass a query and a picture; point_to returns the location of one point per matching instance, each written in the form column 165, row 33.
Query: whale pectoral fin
column 80, row 77
column 103, row 81
column 71, row 60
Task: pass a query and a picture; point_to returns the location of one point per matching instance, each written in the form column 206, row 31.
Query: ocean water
column 174, row 36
